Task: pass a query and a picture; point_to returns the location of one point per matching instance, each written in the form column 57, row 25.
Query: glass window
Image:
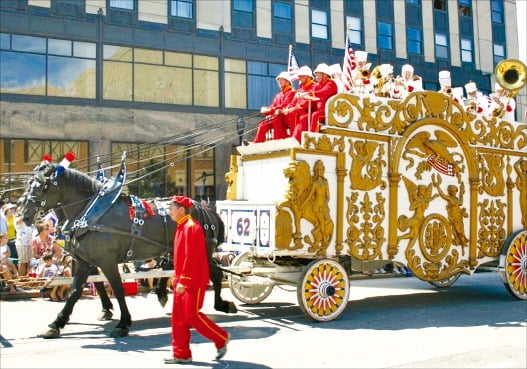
column 5, row 41
column 441, row 45
column 122, row 4
column 384, row 36
column 414, row 40
column 29, row 44
column 440, row 5
column 148, row 56
column 22, row 73
column 499, row 53
column 355, row 30
column 319, row 24
column 261, row 83
column 117, row 81
column 120, row 53
column 496, row 7
column 178, row 59
column 59, row 47
column 181, row 8
column 282, row 17
column 162, row 84
column 414, row 2
column 206, row 81
column 235, row 84
column 464, row 7
column 243, row 5
column 71, row 77
column 466, row 50
column 84, row 49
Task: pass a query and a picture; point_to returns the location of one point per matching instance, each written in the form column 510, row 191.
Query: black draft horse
column 110, row 241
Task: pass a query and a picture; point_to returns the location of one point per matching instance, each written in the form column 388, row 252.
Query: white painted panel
column 370, row 26
column 40, row 3
column 93, row 6
column 153, row 11
column 399, row 14
column 338, row 31
column 453, row 24
column 264, row 26
column 428, row 31
column 212, row 15
column 302, row 25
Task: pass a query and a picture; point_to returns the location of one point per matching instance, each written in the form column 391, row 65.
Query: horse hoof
column 119, row 332
column 51, row 333
column 105, row 315
column 232, row 308
column 163, row 300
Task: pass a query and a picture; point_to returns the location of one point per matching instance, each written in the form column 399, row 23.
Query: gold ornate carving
column 491, row 233
column 436, row 270
column 521, row 184
column 436, row 153
column 492, row 181
column 308, row 197
column 435, row 237
column 231, row 178
column 455, row 211
column 394, row 116
column 323, row 143
column 419, row 197
column 283, row 230
column 365, row 243
column 365, row 173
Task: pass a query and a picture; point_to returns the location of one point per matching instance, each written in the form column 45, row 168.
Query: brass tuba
column 511, row 74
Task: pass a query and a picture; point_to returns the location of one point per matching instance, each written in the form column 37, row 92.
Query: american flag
column 292, row 66
column 348, row 66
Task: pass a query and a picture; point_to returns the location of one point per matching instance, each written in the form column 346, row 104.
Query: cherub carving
column 419, row 197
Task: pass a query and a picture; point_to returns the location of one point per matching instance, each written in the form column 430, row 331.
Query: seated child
column 8, row 270
column 47, row 269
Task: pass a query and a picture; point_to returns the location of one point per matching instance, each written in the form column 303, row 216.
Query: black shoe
column 223, row 350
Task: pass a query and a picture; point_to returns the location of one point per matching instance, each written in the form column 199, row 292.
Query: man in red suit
column 300, row 106
column 274, row 118
column 322, row 91
column 191, row 277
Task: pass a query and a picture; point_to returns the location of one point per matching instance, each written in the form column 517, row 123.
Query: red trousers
column 312, row 126
column 276, row 123
column 186, row 314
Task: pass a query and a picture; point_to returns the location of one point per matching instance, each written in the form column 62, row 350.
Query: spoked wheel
column 514, row 264
column 323, row 291
column 447, row 282
column 241, row 287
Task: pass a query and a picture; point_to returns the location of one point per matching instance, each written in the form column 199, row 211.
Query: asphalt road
column 388, row 323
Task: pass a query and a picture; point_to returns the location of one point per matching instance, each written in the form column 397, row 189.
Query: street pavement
column 388, row 323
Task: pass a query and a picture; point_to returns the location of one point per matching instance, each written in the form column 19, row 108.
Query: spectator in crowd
column 41, row 243
column 48, row 269
column 64, row 263
column 274, row 118
column 8, row 269
column 9, row 214
column 3, row 221
column 23, row 245
column 299, row 105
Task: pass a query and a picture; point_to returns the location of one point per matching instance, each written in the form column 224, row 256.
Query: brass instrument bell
column 511, row 74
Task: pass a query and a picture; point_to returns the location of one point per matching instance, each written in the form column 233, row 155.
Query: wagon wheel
column 446, row 282
column 323, row 291
column 515, row 265
column 244, row 291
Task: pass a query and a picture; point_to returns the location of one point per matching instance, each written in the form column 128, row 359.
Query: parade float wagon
column 417, row 182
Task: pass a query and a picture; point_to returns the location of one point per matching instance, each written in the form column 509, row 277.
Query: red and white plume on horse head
column 64, row 163
column 47, row 158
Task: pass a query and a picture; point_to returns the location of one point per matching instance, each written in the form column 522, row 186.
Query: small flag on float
column 47, row 159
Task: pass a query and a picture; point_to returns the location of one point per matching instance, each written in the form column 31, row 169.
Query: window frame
column 496, row 9
column 352, row 31
column 382, row 36
column 276, row 19
column 120, row 8
column 438, row 45
column 173, row 6
column 497, row 57
column 464, row 4
column 465, row 50
column 411, row 41
column 319, row 25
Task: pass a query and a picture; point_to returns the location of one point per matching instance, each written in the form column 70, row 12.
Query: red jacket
column 303, row 104
column 281, row 100
column 324, row 90
column 191, row 264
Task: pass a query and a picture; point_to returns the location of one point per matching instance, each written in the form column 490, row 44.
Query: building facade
column 175, row 82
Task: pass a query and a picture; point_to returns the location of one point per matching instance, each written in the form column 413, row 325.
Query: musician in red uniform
column 300, row 106
column 274, row 118
column 191, row 277
column 322, row 91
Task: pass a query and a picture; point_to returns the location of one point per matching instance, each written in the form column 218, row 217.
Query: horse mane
column 82, row 180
